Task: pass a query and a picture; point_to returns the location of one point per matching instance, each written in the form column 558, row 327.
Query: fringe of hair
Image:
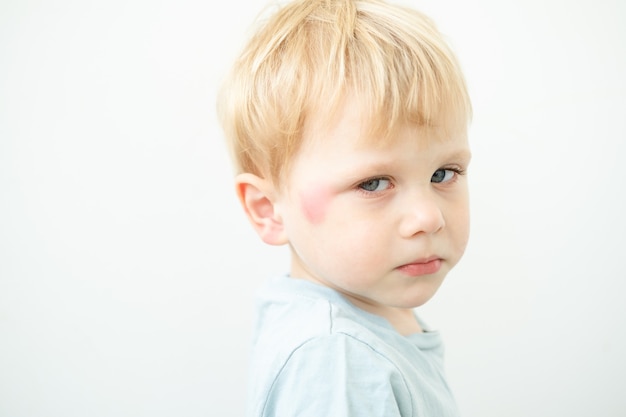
column 311, row 54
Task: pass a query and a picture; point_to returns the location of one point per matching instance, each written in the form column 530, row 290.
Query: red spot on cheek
column 314, row 204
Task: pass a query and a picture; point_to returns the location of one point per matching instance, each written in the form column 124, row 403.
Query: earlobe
column 257, row 197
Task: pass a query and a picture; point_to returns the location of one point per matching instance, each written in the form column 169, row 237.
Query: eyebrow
column 357, row 172
column 464, row 154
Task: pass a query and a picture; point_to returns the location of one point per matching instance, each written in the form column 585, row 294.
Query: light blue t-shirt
column 315, row 354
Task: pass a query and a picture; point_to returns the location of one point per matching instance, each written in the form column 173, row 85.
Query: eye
column 375, row 185
column 443, row 175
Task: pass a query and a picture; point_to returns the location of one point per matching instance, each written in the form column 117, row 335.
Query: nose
column 422, row 214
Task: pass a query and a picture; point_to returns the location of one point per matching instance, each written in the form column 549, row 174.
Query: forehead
column 350, row 125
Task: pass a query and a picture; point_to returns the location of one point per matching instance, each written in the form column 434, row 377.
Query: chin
column 421, row 298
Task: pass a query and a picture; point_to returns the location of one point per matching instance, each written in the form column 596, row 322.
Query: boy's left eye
column 375, row 184
column 443, row 175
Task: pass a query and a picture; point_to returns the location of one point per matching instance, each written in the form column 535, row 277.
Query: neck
column 402, row 319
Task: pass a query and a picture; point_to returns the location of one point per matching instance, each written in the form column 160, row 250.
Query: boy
column 347, row 122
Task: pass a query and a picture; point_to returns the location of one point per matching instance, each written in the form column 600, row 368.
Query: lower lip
column 417, row 269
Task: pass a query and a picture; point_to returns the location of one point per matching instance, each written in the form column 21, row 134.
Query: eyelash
column 370, row 192
column 457, row 171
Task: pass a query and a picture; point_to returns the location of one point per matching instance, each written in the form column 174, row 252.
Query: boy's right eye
column 375, row 184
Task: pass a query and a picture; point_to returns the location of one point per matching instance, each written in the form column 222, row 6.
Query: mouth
column 421, row 267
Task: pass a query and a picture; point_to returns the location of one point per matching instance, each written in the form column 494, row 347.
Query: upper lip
column 423, row 260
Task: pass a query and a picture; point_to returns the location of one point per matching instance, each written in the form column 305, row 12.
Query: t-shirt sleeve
column 338, row 375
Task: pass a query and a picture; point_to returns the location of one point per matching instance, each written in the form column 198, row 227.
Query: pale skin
column 381, row 224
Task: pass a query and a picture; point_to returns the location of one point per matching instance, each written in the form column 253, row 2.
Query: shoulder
column 319, row 329
column 337, row 371
column 291, row 311
column 313, row 355
column 342, row 348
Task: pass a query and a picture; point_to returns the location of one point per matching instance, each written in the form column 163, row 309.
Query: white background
column 127, row 269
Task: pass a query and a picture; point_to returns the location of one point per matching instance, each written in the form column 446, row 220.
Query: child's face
column 382, row 224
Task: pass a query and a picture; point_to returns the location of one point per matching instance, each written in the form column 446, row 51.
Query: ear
column 257, row 196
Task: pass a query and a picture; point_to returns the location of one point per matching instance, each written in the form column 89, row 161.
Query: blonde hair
column 312, row 53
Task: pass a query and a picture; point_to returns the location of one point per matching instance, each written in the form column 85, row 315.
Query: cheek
column 314, row 204
column 461, row 227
